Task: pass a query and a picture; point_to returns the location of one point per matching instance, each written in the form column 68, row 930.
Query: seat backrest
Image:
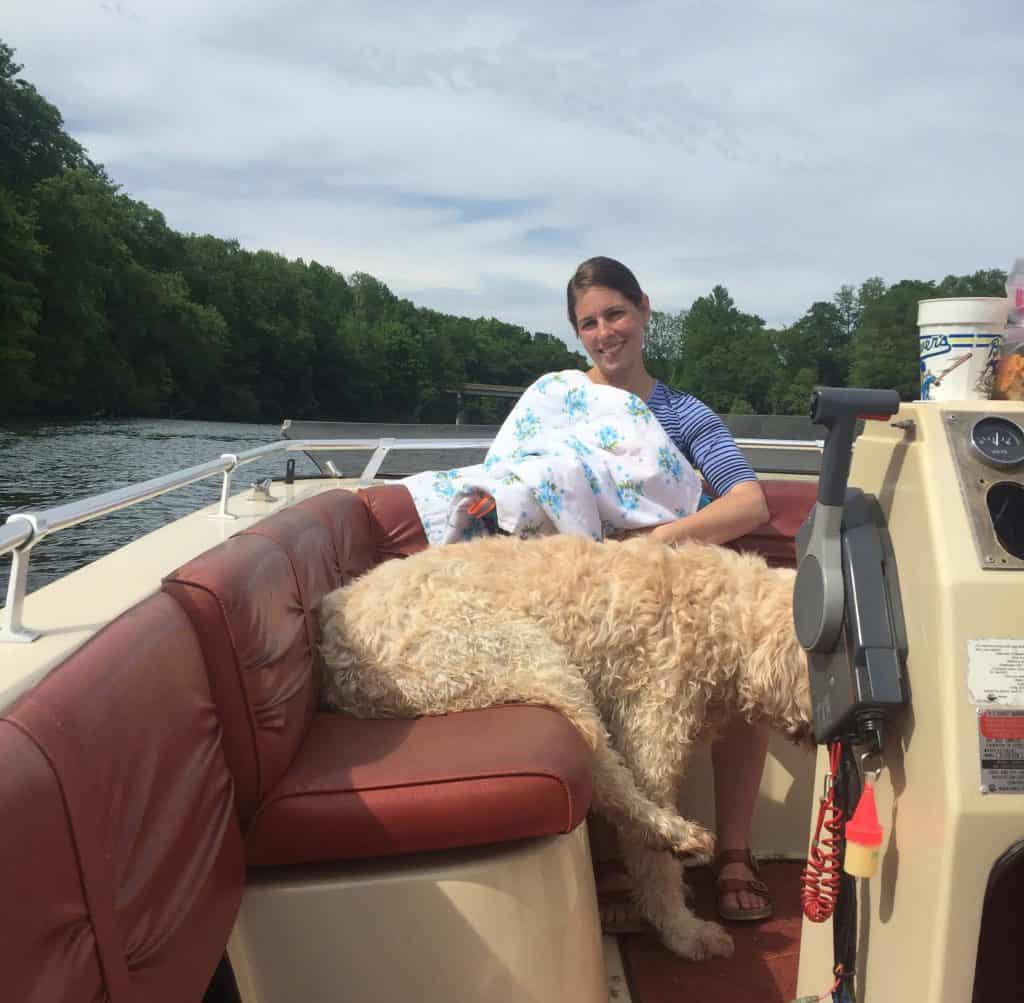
column 398, row 533
column 120, row 853
column 789, row 504
column 47, row 942
column 252, row 601
column 394, row 521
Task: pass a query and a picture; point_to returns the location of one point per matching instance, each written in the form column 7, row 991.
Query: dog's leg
column 543, row 674
column 494, row 659
column 617, row 796
column 658, row 892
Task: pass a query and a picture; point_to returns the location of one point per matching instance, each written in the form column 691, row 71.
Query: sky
column 470, row 158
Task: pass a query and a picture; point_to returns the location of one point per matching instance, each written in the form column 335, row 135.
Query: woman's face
column 612, row 331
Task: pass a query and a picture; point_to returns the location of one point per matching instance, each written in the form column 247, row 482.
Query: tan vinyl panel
column 510, row 924
column 919, row 916
column 784, row 801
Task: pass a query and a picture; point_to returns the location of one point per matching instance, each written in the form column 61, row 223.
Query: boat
column 180, row 822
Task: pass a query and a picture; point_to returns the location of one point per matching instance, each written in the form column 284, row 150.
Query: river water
column 45, row 464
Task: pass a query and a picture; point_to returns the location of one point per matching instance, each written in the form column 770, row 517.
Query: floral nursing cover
column 572, row 457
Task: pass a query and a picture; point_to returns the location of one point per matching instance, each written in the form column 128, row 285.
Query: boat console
column 927, row 576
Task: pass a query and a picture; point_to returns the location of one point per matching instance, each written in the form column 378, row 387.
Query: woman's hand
column 735, row 514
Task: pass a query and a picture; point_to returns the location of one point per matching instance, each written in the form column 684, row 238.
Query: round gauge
column 999, row 441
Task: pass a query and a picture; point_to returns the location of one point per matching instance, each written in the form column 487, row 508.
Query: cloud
column 471, row 159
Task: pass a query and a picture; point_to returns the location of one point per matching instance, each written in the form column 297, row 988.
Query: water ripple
column 46, row 464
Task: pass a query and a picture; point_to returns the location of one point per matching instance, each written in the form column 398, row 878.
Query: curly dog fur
column 645, row 648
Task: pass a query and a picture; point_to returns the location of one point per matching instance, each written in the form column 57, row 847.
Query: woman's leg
column 615, row 904
column 738, row 757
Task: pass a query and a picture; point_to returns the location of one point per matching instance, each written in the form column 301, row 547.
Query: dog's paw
column 698, row 941
column 695, row 842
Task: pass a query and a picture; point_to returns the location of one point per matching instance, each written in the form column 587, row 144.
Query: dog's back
column 635, row 603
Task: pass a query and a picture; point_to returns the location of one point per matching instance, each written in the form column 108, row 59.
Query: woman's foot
column 615, row 905
column 742, row 895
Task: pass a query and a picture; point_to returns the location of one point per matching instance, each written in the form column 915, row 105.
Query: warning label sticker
column 995, row 671
column 1001, row 751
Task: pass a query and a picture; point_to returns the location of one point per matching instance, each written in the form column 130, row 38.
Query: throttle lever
column 819, row 595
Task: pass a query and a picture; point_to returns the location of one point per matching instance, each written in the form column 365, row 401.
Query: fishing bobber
column 863, row 836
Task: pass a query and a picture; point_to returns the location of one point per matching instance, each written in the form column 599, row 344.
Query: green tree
column 885, row 347
column 794, row 392
column 663, row 343
column 76, row 360
column 21, row 265
column 729, row 360
column 988, row 282
column 846, row 302
column 33, row 143
column 817, row 341
column 871, row 290
column 371, row 299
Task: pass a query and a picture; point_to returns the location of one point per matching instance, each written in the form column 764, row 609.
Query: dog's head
column 783, row 692
column 775, row 684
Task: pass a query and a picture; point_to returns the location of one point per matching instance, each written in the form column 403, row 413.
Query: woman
column 609, row 312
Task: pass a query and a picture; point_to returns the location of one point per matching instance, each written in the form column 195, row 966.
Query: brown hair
column 607, row 273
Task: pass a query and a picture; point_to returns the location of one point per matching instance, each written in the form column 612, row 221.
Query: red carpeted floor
column 763, row 969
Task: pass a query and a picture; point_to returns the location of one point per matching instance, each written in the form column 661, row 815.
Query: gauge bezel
column 991, row 460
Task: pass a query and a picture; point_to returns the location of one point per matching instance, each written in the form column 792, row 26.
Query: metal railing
column 24, row 530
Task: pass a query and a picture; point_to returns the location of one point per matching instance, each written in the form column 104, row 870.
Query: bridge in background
column 480, row 390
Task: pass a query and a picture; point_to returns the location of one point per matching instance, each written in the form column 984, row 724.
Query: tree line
column 106, row 310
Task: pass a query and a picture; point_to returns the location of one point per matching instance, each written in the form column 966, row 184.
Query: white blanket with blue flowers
column 572, row 457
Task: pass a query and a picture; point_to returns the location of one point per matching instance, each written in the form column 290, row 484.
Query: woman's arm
column 742, row 509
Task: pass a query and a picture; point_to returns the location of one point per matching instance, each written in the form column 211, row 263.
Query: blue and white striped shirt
column 701, row 436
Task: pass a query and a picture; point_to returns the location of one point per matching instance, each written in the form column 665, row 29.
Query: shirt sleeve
column 710, row 447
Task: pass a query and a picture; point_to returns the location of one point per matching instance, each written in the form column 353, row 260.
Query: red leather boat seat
column 789, row 504
column 317, row 786
column 120, row 853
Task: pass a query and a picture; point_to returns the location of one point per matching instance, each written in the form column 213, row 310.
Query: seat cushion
column 376, row 788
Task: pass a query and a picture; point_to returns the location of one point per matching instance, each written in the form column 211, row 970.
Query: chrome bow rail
column 23, row 530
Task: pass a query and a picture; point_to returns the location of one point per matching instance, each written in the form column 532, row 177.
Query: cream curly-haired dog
column 643, row 647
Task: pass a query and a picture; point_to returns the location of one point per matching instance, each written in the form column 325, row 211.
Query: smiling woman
column 609, row 312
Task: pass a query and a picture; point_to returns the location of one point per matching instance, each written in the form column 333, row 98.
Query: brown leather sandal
column 726, row 886
column 615, row 905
